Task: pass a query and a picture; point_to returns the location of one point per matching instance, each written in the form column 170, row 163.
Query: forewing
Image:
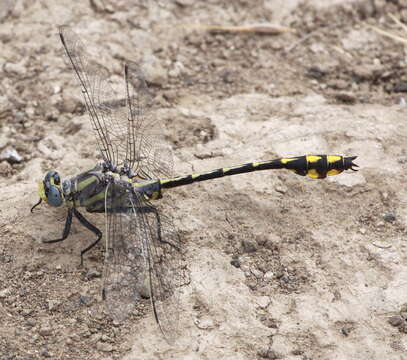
column 126, row 258
column 106, row 112
column 150, row 155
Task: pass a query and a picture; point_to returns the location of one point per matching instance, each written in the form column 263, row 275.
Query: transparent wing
column 125, row 135
column 144, row 259
column 104, row 111
column 166, row 269
column 125, row 269
column 150, row 155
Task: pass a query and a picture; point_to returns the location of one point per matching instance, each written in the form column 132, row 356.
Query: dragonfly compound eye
column 50, row 189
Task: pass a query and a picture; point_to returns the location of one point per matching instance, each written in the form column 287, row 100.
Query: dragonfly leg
column 159, row 234
column 90, row 227
column 67, row 229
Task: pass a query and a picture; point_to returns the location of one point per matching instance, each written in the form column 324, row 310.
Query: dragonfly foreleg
column 90, row 227
column 67, row 229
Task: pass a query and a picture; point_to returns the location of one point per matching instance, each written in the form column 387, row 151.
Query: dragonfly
column 143, row 246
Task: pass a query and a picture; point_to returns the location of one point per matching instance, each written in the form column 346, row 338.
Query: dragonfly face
column 50, row 190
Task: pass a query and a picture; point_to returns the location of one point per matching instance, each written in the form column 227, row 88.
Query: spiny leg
column 90, row 227
column 151, row 209
column 67, row 229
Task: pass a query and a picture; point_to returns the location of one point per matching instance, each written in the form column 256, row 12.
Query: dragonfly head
column 50, row 190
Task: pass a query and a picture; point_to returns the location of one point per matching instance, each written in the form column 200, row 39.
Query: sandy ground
column 322, row 263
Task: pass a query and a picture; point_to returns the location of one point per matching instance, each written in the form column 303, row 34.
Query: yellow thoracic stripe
column 84, row 183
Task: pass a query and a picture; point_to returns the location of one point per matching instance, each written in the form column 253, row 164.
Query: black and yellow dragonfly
column 143, row 247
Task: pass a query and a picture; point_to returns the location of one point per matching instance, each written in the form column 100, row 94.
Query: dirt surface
column 281, row 267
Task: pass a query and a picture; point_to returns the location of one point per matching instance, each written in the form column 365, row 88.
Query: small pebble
column 53, row 305
column 249, row 245
column 395, row 320
column 45, row 331
column 400, row 87
column 105, row 347
column 389, row 218
column 269, row 275
column 4, row 293
column 11, row 156
column 85, row 300
column 92, row 274
column 235, row 262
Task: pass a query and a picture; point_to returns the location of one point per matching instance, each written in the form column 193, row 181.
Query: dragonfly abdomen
column 314, row 166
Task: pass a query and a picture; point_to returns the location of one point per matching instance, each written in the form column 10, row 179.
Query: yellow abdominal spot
column 333, row 172
column 287, row 160
column 313, row 174
column 313, row 158
column 334, row 158
column 165, row 181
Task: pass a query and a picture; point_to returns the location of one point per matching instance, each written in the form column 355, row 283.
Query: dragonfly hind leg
column 151, row 209
column 90, row 227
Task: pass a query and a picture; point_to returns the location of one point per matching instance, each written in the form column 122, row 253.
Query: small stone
column 249, row 245
column 338, row 84
column 366, row 71
column 85, row 300
column 401, row 86
column 95, row 338
column 346, row 97
column 316, row 72
column 92, row 274
column 263, row 301
column 281, row 189
column 257, row 273
column 177, row 69
column 184, row 3
column 153, row 70
column 403, row 308
column 4, row 293
column 45, row 331
column 346, row 330
column 395, row 320
column 362, row 231
column 105, row 347
column 269, row 275
column 11, row 156
column 17, row 69
column 403, row 314
column 53, row 305
column 46, row 354
column 268, row 354
column 389, row 218
column 235, row 262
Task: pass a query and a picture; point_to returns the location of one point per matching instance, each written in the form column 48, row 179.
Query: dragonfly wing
column 151, row 157
column 144, row 258
column 107, row 113
column 126, row 254
column 167, row 272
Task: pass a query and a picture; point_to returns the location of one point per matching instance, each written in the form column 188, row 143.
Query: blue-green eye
column 54, row 197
